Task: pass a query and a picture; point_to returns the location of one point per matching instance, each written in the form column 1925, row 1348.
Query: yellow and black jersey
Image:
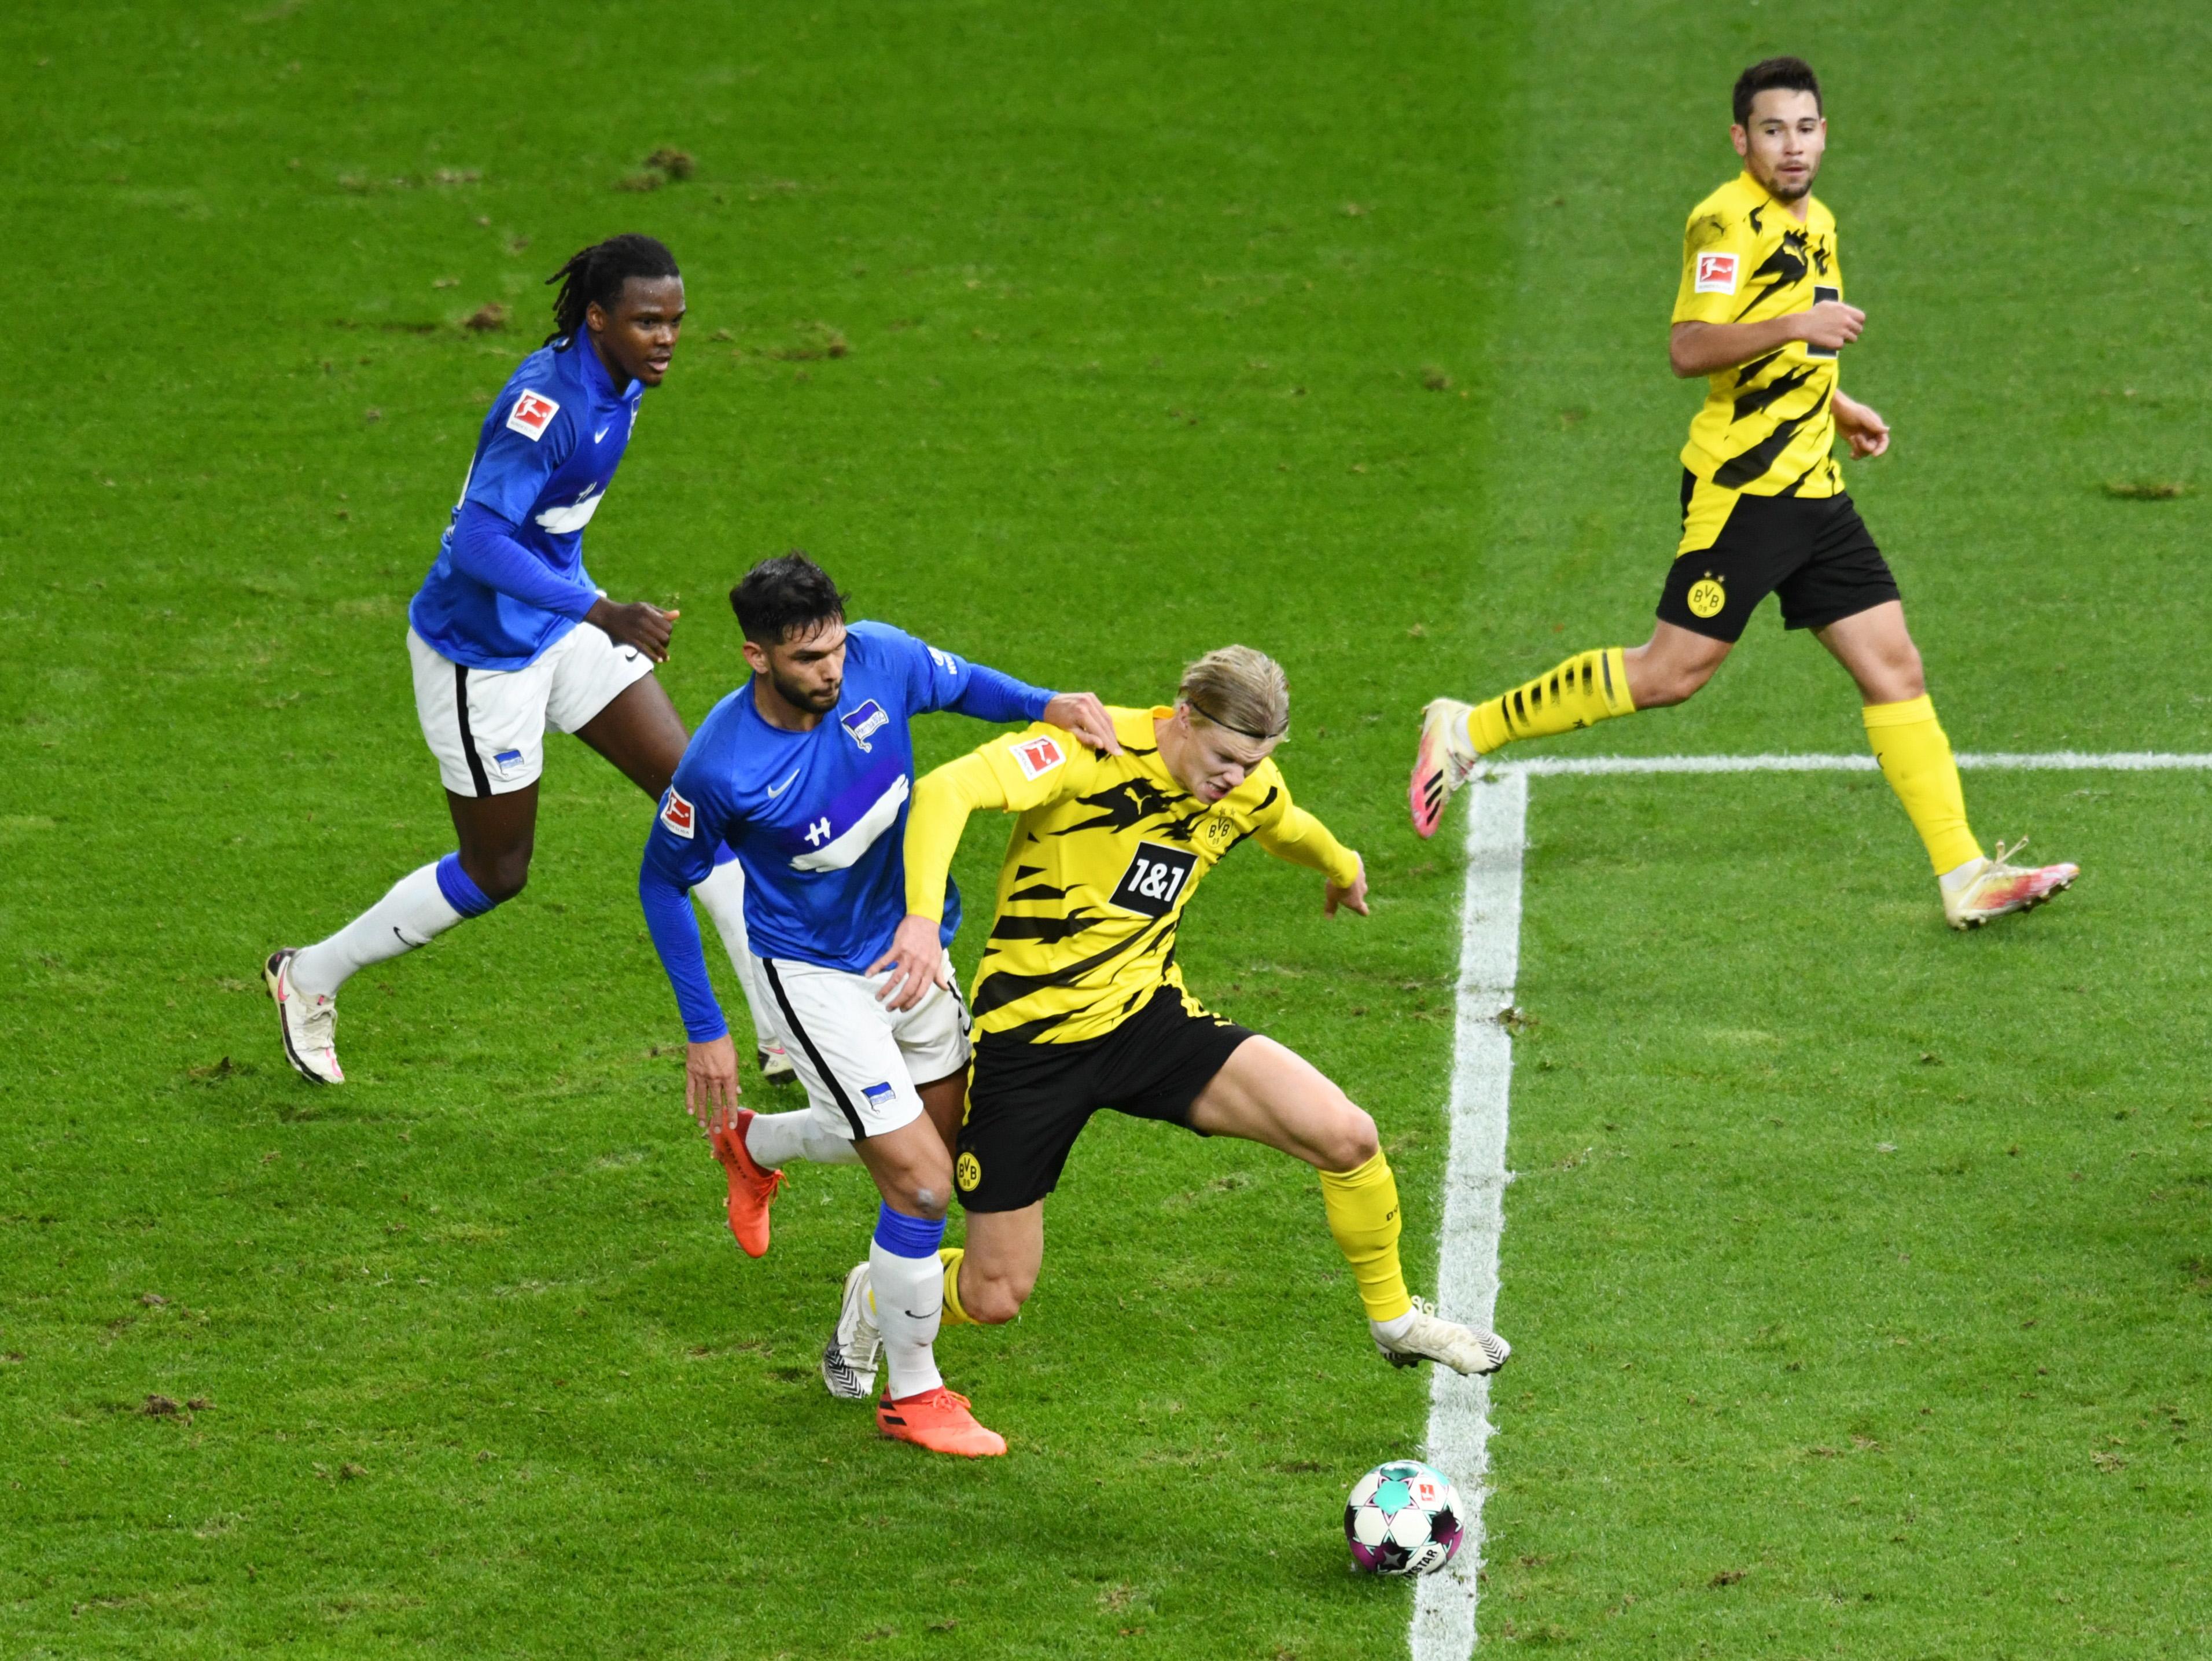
column 1102, row 861
column 1767, row 427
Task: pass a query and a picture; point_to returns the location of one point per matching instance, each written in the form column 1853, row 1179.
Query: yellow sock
column 950, row 1256
column 1916, row 758
column 1363, row 1215
column 1586, row 689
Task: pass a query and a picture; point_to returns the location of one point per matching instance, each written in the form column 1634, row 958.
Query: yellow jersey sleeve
column 1012, row 774
column 1717, row 260
column 1289, row 832
column 1036, row 766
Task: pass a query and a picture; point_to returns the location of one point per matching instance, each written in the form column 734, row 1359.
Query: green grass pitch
column 1860, row 1276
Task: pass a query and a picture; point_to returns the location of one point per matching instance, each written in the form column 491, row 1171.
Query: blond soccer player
column 1079, row 1006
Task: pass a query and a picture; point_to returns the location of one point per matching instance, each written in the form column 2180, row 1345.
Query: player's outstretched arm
column 988, row 694
column 1297, row 835
column 942, row 801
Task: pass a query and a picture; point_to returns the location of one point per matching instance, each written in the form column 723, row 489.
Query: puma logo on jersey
column 533, row 414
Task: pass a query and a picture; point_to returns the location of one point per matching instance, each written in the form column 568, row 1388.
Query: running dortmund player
column 1761, row 311
column 1078, row 1004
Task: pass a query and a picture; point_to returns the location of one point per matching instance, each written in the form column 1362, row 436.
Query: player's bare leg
column 1267, row 1093
column 494, row 833
column 1673, row 666
column 1876, row 649
column 1587, row 688
column 913, row 1169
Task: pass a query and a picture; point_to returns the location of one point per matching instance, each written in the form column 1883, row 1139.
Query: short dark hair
column 595, row 276
column 1792, row 73
column 785, row 596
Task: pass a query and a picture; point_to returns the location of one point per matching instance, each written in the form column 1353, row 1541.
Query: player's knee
column 994, row 1299
column 501, row 877
column 923, row 1193
column 1351, row 1142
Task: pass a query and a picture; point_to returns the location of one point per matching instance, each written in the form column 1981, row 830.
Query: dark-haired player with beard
column 806, row 771
column 1761, row 311
column 508, row 634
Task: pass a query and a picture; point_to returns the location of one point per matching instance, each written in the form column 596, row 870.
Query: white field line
column 1482, row 1069
column 1474, row 1186
column 2121, row 761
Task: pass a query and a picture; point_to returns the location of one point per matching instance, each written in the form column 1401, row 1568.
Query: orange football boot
column 752, row 1191
column 939, row 1421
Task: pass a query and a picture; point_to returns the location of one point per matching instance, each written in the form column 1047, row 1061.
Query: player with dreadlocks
column 508, row 634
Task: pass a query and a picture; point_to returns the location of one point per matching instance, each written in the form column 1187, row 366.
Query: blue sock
column 461, row 891
column 907, row 1237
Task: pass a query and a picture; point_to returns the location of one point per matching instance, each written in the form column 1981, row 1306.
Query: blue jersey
column 818, row 818
column 545, row 458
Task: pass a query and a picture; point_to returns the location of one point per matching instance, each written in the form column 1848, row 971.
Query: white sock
column 1395, row 1328
column 723, row 895
column 777, row 1139
column 902, row 1286
column 413, row 914
column 1960, row 875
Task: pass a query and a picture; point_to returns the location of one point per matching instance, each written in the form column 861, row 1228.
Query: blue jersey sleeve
column 937, row 680
column 483, row 547
column 674, row 863
column 531, row 437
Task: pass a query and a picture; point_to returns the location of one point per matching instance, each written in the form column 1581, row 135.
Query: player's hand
column 645, row 627
column 1081, row 713
column 1862, row 427
column 1355, row 897
column 1830, row 324
column 710, row 1082
column 916, row 962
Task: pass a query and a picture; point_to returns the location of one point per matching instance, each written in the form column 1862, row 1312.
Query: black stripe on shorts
column 837, row 1090
column 468, row 738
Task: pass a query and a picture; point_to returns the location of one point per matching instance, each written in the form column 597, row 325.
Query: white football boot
column 775, row 1067
column 848, row 1359
column 309, row 1025
column 1447, row 759
column 1432, row 1338
column 2001, row 888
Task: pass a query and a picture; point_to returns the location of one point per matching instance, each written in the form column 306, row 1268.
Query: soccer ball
column 1404, row 1517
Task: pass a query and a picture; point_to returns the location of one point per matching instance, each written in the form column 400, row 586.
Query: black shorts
column 1027, row 1103
column 1814, row 553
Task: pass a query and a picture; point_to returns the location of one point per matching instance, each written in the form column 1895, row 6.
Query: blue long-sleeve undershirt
column 990, row 695
column 675, row 930
column 484, row 547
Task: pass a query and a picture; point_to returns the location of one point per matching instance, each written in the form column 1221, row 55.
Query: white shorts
column 487, row 727
column 859, row 1059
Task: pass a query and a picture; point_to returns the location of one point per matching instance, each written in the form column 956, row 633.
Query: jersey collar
column 598, row 383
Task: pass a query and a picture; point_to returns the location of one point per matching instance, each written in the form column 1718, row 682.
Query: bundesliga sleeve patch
column 1716, row 273
column 677, row 815
column 1039, row 756
column 533, row 414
